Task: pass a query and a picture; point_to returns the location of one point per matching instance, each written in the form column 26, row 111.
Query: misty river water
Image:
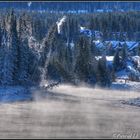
column 71, row 112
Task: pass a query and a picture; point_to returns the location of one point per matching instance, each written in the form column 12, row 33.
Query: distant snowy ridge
column 60, row 23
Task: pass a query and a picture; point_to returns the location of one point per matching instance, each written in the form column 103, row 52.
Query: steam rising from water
column 70, row 112
column 87, row 91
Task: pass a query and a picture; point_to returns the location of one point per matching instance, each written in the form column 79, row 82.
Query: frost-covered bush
column 134, row 74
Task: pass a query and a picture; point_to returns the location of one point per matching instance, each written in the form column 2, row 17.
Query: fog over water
column 71, row 112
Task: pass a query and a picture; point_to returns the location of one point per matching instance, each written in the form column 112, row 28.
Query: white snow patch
column 110, row 58
column 29, row 4
column 82, row 28
column 59, row 23
column 98, row 41
column 72, row 44
column 98, row 57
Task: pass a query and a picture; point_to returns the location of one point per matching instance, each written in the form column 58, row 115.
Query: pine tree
column 1, row 55
column 1, row 63
column 14, row 45
column 24, row 62
column 23, row 73
column 116, row 61
column 83, row 58
column 94, row 49
column 7, row 65
column 103, row 72
column 7, row 57
column 124, row 55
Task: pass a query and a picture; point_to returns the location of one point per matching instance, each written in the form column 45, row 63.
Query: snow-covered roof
column 100, row 45
column 133, row 46
column 114, row 43
column 130, row 44
column 85, row 31
column 90, row 33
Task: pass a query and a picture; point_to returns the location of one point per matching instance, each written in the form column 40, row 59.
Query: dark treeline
column 75, row 6
column 114, row 23
column 31, row 48
column 21, row 37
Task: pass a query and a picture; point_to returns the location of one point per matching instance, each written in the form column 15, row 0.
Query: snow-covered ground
column 128, row 86
column 121, row 84
column 15, row 93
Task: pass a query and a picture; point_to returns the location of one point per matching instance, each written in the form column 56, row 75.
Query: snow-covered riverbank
column 14, row 93
column 118, row 88
column 129, row 86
